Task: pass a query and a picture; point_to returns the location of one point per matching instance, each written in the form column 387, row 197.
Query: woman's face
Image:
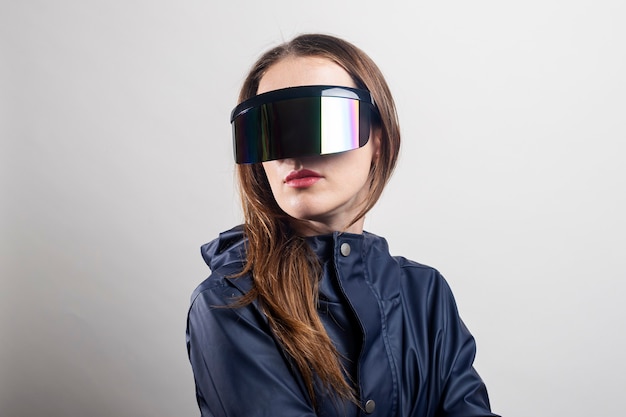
column 327, row 191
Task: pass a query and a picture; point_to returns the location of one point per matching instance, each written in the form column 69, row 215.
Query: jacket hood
column 228, row 248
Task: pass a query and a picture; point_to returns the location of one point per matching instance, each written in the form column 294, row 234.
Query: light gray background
column 116, row 167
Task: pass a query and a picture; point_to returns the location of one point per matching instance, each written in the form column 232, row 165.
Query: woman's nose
column 295, row 163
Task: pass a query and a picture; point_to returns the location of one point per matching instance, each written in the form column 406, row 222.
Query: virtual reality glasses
column 301, row 121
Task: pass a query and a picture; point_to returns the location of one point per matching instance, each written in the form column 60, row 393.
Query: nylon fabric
column 395, row 321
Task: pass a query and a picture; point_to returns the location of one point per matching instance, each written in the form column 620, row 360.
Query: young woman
column 305, row 314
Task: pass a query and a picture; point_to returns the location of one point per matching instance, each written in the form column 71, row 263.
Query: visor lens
column 299, row 126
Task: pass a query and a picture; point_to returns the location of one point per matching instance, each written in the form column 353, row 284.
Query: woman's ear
column 375, row 138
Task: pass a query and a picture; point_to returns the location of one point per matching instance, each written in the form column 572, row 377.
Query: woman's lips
column 302, row 179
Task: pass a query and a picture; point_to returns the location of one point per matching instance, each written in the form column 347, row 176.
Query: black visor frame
column 302, row 121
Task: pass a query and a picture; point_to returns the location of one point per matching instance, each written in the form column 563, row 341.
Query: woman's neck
column 308, row 228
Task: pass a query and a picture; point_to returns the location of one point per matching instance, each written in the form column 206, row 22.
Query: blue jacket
column 395, row 322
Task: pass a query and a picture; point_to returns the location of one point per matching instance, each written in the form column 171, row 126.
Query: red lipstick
column 302, row 179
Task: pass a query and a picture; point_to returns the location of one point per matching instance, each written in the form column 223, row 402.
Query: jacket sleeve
column 239, row 370
column 463, row 393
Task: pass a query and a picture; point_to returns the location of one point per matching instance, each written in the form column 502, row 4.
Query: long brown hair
column 285, row 271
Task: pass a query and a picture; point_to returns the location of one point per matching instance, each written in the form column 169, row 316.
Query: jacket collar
column 372, row 251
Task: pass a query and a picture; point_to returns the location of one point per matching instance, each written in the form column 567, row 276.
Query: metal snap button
column 370, row 406
column 345, row 249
